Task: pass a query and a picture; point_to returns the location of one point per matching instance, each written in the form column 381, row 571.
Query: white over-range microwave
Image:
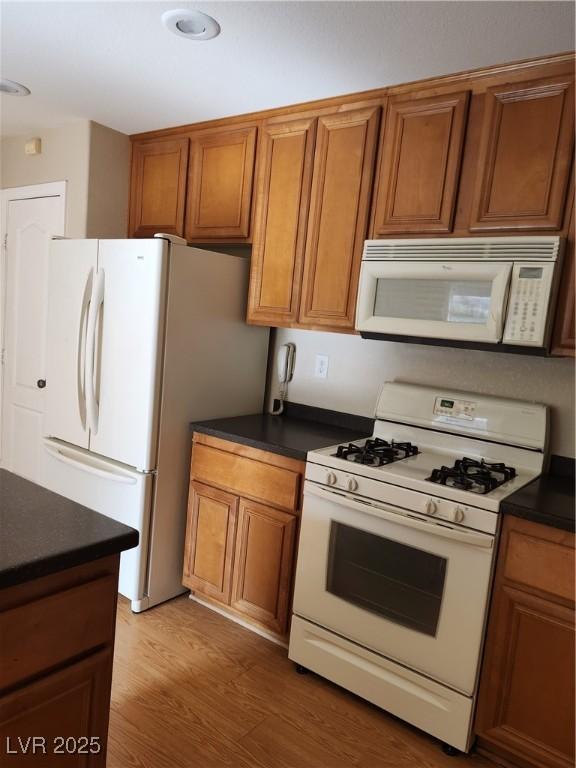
column 495, row 290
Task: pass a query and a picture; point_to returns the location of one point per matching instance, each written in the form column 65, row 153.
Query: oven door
column 463, row 300
column 405, row 586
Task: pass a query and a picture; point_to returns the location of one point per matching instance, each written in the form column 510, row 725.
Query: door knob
column 41, row 383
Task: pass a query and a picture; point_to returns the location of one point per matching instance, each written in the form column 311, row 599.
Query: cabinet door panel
column 419, row 165
column 525, row 155
column 564, row 341
column 263, row 564
column 283, row 197
column 220, row 184
column 158, row 187
column 210, row 536
column 72, row 702
column 529, row 712
column 337, row 227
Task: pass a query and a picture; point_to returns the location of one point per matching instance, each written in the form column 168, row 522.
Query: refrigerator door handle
column 88, row 464
column 96, row 301
column 81, row 351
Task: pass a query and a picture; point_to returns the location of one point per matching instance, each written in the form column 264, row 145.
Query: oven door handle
column 403, row 518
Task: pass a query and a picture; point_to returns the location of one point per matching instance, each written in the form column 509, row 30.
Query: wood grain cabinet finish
column 419, row 166
column 338, row 219
column 56, row 648
column 263, row 564
column 525, row 155
column 158, row 187
column 240, row 552
column 210, row 537
column 72, row 702
column 526, row 703
column 220, row 184
column 564, row 341
column 286, row 156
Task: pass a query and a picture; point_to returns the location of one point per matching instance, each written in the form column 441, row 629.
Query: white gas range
column 397, row 548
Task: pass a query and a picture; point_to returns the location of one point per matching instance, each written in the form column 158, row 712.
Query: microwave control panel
column 528, row 304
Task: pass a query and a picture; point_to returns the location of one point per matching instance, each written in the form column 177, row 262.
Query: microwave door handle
column 497, row 315
column 403, row 518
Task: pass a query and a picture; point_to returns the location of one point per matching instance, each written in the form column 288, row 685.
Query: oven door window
column 396, row 581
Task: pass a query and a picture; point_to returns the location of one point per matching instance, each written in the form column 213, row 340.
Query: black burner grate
column 473, row 475
column 376, row 452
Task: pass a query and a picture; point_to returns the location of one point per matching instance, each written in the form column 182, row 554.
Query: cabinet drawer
column 544, row 565
column 32, row 637
column 246, row 477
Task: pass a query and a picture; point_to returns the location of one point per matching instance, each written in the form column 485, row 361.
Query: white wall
column 357, row 368
column 108, row 183
column 92, row 159
column 64, row 157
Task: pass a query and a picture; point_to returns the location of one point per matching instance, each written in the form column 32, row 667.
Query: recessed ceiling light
column 13, row 88
column 194, row 25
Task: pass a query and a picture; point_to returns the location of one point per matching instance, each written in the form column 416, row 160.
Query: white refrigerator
column 144, row 336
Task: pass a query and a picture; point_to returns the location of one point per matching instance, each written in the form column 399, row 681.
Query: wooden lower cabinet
column 263, row 564
column 210, row 541
column 56, row 649
column 67, row 713
column 242, row 529
column 525, row 711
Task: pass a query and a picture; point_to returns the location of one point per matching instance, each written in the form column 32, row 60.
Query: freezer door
column 124, row 350
column 113, row 490
column 72, row 266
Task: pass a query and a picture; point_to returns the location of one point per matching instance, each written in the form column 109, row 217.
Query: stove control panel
column 455, row 409
column 371, row 491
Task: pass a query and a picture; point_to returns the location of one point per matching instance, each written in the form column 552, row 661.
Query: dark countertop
column 548, row 500
column 42, row 532
column 300, row 430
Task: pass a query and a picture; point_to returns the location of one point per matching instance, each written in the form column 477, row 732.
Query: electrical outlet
column 321, row 366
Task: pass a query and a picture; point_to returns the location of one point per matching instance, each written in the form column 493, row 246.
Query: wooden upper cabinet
column 158, row 187
column 563, row 340
column 419, row 166
column 210, row 537
column 525, row 156
column 282, row 201
column 338, row 219
column 220, row 184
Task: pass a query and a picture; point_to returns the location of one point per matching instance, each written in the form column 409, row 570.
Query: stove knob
column 352, row 484
column 331, row 478
column 458, row 515
column 431, row 507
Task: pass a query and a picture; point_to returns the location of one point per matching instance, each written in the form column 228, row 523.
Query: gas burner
column 473, row 475
column 376, row 452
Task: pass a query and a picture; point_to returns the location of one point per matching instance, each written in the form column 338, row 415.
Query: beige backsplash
column 357, row 368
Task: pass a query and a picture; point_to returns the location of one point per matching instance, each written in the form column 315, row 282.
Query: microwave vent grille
column 464, row 248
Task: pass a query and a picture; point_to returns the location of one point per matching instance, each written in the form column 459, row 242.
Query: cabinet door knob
column 41, row 383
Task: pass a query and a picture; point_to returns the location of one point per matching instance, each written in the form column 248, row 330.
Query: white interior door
column 30, row 225
column 71, row 279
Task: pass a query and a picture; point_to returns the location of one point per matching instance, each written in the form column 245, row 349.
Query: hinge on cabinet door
column 2, row 356
column 5, row 241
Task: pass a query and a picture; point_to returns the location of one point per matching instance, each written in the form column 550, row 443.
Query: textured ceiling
column 115, row 63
